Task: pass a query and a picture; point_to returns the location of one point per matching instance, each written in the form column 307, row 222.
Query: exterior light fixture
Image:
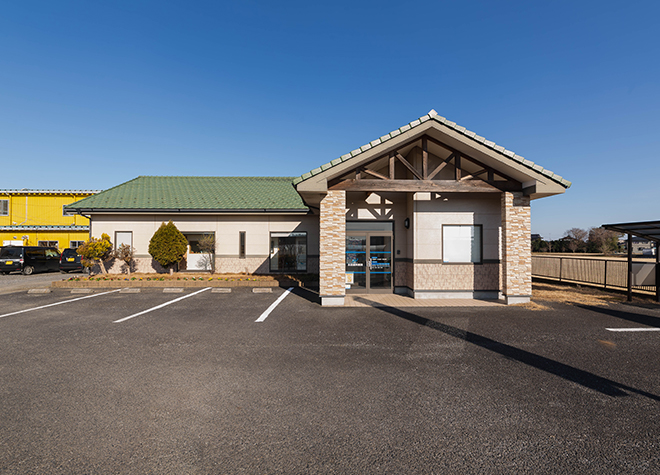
column 406, row 223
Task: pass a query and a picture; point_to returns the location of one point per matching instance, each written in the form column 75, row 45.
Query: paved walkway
column 393, row 300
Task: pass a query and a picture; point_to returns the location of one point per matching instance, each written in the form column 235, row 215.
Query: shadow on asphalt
column 569, row 373
column 310, row 295
column 624, row 315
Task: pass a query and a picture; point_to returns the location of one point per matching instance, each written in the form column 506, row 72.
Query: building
column 640, row 246
column 431, row 210
column 38, row 217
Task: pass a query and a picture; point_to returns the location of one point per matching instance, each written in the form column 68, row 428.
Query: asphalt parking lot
column 199, row 386
column 16, row 281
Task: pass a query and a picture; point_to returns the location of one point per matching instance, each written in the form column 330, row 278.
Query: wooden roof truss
column 383, row 174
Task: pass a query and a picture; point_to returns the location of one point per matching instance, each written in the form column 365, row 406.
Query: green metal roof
column 433, row 115
column 197, row 193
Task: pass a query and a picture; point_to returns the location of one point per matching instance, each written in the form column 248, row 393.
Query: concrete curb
column 197, row 284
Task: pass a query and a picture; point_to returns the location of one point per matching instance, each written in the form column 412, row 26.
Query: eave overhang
column 185, row 211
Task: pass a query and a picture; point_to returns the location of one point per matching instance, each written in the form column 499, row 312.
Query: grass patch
column 534, row 306
column 573, row 294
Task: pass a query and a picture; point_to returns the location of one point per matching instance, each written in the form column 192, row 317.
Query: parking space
column 200, row 386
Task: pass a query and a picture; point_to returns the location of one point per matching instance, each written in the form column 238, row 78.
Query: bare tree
column 207, row 246
column 125, row 253
column 603, row 240
column 577, row 238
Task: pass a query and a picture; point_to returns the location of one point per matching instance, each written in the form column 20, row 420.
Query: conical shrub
column 168, row 245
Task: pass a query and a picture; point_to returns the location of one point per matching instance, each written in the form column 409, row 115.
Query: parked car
column 29, row 259
column 70, row 261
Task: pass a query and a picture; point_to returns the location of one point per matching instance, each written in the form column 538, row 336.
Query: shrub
column 96, row 251
column 168, row 245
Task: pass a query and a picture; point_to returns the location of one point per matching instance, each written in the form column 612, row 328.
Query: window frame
column 242, row 244
column 75, row 247
column 117, row 240
column 270, row 251
column 40, row 244
column 480, row 246
column 2, row 212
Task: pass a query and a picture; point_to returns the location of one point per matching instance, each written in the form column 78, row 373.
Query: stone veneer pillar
column 516, row 248
column 332, row 250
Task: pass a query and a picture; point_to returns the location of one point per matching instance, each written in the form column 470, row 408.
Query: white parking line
column 273, row 305
column 59, row 303
column 159, row 306
column 633, row 329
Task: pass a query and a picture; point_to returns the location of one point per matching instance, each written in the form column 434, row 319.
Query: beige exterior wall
column 418, row 267
column 226, row 229
column 433, row 279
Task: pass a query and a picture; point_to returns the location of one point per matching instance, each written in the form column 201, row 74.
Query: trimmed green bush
column 168, row 245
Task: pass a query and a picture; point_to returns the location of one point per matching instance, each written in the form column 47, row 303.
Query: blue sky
column 93, row 94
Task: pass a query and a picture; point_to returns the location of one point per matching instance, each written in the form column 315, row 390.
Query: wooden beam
column 467, row 157
column 425, row 158
column 409, row 166
column 474, row 175
column 412, row 186
column 500, row 185
column 457, row 168
column 439, row 168
column 392, row 163
column 376, row 174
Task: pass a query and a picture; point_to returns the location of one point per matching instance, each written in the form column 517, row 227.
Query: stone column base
column 514, row 299
column 332, row 301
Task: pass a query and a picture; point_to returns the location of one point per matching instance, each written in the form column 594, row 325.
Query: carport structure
column 648, row 230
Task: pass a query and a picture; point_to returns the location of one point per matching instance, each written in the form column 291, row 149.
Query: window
column 461, row 244
column 4, row 207
column 54, row 244
column 123, row 237
column 35, row 253
column 76, row 244
column 288, row 252
column 11, row 252
column 52, row 253
column 241, row 244
column 66, row 212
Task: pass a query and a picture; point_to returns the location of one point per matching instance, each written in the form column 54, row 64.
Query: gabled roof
column 197, row 194
column 433, row 115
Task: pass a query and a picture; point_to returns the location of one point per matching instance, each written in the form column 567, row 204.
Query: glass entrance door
column 380, row 263
column 356, row 263
column 368, row 263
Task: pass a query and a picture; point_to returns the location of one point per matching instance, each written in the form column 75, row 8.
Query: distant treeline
column 594, row 240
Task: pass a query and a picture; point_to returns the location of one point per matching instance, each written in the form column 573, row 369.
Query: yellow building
column 37, row 218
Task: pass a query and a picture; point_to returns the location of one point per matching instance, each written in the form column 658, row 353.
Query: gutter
column 189, row 210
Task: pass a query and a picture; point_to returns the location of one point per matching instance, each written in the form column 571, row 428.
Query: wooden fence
column 603, row 272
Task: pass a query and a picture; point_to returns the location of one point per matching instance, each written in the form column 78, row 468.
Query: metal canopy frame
column 648, row 230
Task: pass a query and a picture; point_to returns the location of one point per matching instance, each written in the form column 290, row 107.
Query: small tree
column 168, row 245
column 577, row 238
column 95, row 251
column 125, row 253
column 207, row 246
